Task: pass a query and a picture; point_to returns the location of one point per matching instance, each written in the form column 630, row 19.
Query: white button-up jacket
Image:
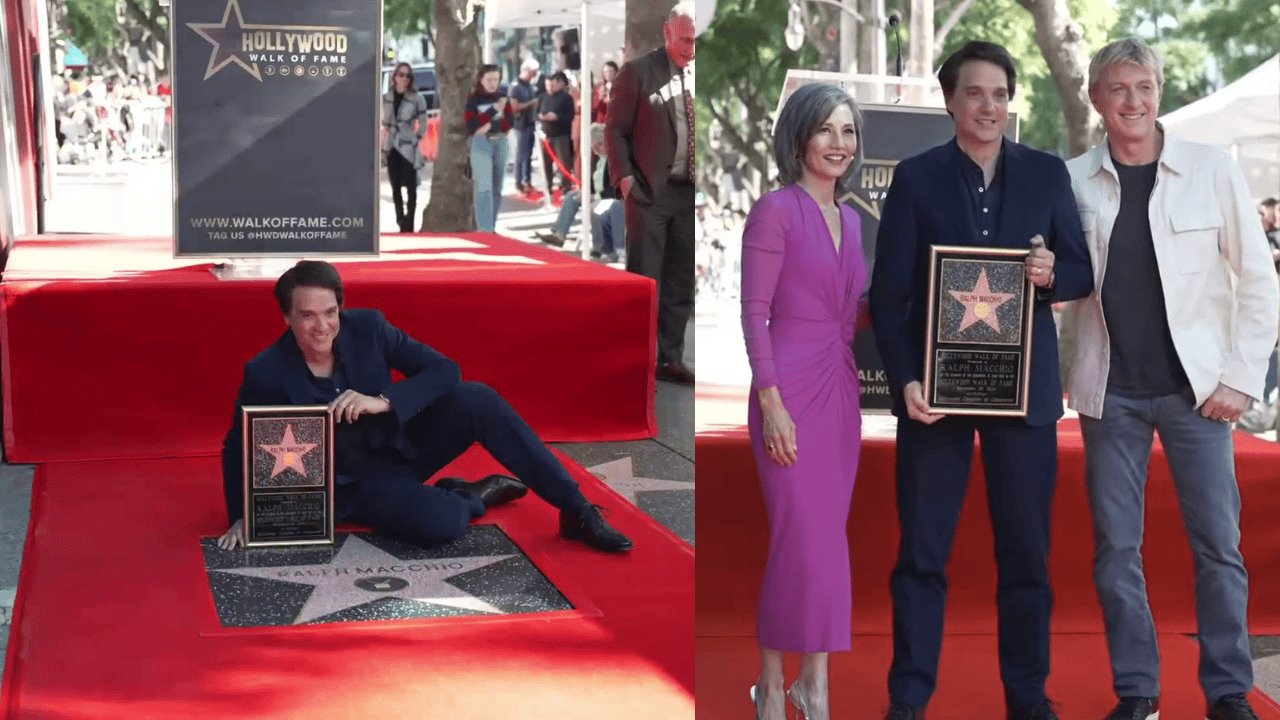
column 1220, row 291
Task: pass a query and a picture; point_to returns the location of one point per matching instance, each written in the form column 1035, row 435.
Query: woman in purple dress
column 803, row 274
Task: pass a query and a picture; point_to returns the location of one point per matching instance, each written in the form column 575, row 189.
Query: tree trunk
column 747, row 138
column 449, row 208
column 1061, row 43
column 920, row 57
column 871, row 37
column 821, row 30
column 644, row 26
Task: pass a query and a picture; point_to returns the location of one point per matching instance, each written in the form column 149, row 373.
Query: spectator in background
column 404, row 121
column 602, row 92
column 524, row 102
column 650, row 141
column 608, row 221
column 489, row 117
column 555, row 110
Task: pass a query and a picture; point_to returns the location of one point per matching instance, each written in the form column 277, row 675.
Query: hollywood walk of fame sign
column 978, row 337
column 288, row 475
column 276, row 112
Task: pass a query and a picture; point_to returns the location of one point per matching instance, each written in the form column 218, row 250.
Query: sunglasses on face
column 400, row 74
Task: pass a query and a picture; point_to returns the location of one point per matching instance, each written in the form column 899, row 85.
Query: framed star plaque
column 288, row 475
column 978, row 337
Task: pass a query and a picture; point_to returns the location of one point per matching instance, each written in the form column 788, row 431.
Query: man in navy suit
column 979, row 189
column 390, row 437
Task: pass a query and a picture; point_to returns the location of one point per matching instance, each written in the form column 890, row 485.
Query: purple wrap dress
column 800, row 306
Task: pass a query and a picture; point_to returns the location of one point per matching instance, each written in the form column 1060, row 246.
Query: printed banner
column 275, row 123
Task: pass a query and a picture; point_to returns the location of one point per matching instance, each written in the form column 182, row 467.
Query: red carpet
column 733, row 541
column 968, row 679
column 733, row 537
column 115, row 620
column 113, row 349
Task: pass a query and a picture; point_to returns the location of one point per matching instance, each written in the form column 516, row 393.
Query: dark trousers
column 402, row 175
column 399, row 505
column 933, row 464
column 660, row 246
column 563, row 147
column 525, row 138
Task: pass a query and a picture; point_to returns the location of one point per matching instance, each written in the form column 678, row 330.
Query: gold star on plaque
column 980, row 304
column 289, row 453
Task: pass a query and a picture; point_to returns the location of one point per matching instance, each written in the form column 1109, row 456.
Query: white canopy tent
column 591, row 17
column 1243, row 117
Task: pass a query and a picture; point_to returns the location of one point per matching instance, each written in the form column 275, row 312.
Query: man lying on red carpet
column 390, row 437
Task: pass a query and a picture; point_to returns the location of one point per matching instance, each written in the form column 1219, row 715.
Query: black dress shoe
column 590, row 527
column 493, row 490
column 676, row 373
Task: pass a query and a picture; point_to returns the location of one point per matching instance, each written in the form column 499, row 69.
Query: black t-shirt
column 561, row 104
column 1144, row 362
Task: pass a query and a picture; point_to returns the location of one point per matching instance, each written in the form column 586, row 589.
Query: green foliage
column 1185, row 80
column 406, row 17
column 742, row 63
column 93, row 27
column 1240, row 34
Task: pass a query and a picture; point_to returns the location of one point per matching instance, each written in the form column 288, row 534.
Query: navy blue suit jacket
column 928, row 205
column 370, row 347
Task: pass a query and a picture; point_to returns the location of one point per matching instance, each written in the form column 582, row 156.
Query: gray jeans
column 1201, row 458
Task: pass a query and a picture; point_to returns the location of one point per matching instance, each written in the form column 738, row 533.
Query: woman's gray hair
column 1128, row 50
column 804, row 112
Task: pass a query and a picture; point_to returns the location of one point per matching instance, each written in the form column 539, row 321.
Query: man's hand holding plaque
column 917, row 408
column 1040, row 264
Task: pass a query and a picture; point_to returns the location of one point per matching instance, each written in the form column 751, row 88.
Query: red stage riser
column 114, row 619
column 733, row 537
column 969, row 685
column 148, row 366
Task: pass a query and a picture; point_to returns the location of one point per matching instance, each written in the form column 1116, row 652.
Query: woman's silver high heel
column 800, row 702
column 756, row 700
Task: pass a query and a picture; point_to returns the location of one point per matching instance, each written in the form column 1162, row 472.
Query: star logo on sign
column 226, row 37
column 289, row 453
column 361, row 572
column 620, row 475
column 980, row 304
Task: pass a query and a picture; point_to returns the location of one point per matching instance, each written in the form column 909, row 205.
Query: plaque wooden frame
column 942, row 395
column 315, row 483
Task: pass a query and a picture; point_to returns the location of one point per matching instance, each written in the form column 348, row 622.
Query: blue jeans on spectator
column 608, row 227
column 524, row 156
column 568, row 211
column 1201, row 458
column 488, row 170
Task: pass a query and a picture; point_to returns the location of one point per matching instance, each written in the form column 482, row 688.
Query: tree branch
column 146, row 20
column 940, row 37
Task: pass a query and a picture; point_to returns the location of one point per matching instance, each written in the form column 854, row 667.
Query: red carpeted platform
column 115, row 619
column 968, row 679
column 113, row 349
column 733, row 541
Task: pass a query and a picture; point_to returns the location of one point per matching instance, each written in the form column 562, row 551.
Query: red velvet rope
column 546, row 145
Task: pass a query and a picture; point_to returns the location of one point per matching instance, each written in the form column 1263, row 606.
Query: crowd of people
column 1178, row 344
column 101, row 119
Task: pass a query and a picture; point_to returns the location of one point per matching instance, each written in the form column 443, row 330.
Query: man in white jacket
column 1175, row 338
